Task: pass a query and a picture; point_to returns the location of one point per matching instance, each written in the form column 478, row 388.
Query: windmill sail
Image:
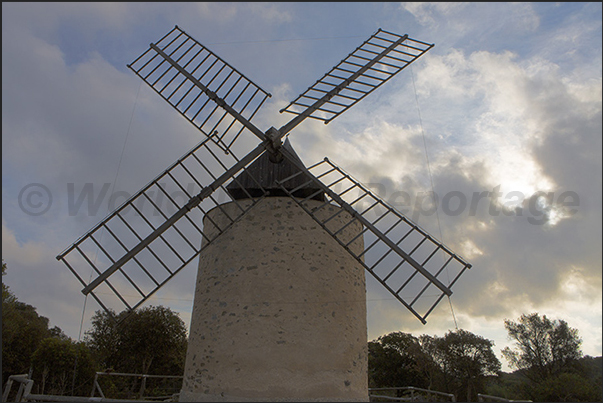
column 412, row 265
column 188, row 76
column 149, row 265
column 364, row 70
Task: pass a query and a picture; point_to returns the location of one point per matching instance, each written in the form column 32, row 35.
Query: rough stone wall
column 279, row 311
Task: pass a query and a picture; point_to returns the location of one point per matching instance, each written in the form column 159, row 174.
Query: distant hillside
column 593, row 367
column 511, row 385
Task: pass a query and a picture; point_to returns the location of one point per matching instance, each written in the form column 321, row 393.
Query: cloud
column 547, row 112
column 462, row 20
column 510, row 96
column 428, row 13
column 272, row 13
column 28, row 273
column 525, row 126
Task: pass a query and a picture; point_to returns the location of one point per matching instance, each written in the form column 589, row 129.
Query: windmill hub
column 261, row 178
column 273, row 144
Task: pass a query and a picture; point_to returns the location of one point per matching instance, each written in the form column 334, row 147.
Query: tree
column 103, row 340
column 151, row 340
column 7, row 295
column 467, row 360
column 566, row 387
column 457, row 363
column 59, row 364
column 547, row 352
column 22, row 331
column 543, row 347
column 392, row 361
column 427, row 362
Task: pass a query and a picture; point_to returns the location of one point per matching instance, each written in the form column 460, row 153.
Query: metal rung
column 339, row 211
column 312, row 195
column 428, row 284
column 357, row 236
column 325, row 173
column 330, row 102
column 344, row 227
column 399, row 60
column 347, row 190
column 318, row 109
column 360, row 57
column 413, row 274
column 334, row 182
column 368, row 209
column 301, row 186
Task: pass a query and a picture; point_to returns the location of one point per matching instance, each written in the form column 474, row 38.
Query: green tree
column 22, row 331
column 543, row 347
column 547, row 353
column 392, row 361
column 151, row 340
column 467, row 360
column 459, row 363
column 427, row 362
column 28, row 344
column 7, row 295
column 56, row 360
column 566, row 387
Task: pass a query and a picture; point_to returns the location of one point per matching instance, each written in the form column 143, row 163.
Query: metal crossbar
column 415, row 267
column 188, row 76
column 373, row 63
column 411, row 394
column 148, row 266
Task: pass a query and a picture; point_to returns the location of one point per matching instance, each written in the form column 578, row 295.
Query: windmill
column 282, row 247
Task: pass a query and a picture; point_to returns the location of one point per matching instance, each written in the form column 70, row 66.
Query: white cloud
column 464, row 20
column 507, row 121
column 30, row 253
column 510, row 96
column 427, row 13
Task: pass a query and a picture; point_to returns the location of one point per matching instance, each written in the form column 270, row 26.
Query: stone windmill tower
column 280, row 307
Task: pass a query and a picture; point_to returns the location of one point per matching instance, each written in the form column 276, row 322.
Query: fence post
column 94, row 385
column 20, row 392
column 7, row 387
column 142, row 385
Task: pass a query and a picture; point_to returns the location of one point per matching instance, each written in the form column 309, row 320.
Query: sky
column 500, row 120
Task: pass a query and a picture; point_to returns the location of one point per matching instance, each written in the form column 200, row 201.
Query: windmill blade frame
column 188, row 75
column 393, row 239
column 369, row 66
column 127, row 242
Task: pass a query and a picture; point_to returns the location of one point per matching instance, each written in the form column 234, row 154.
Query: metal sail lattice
column 188, row 76
column 120, row 232
column 368, row 67
column 412, row 265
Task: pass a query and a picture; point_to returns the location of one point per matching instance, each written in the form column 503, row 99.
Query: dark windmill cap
column 263, row 174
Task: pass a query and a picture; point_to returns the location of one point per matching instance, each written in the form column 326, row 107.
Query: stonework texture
column 279, row 311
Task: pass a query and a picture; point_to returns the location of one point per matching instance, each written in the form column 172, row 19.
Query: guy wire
column 123, row 149
column 432, row 185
